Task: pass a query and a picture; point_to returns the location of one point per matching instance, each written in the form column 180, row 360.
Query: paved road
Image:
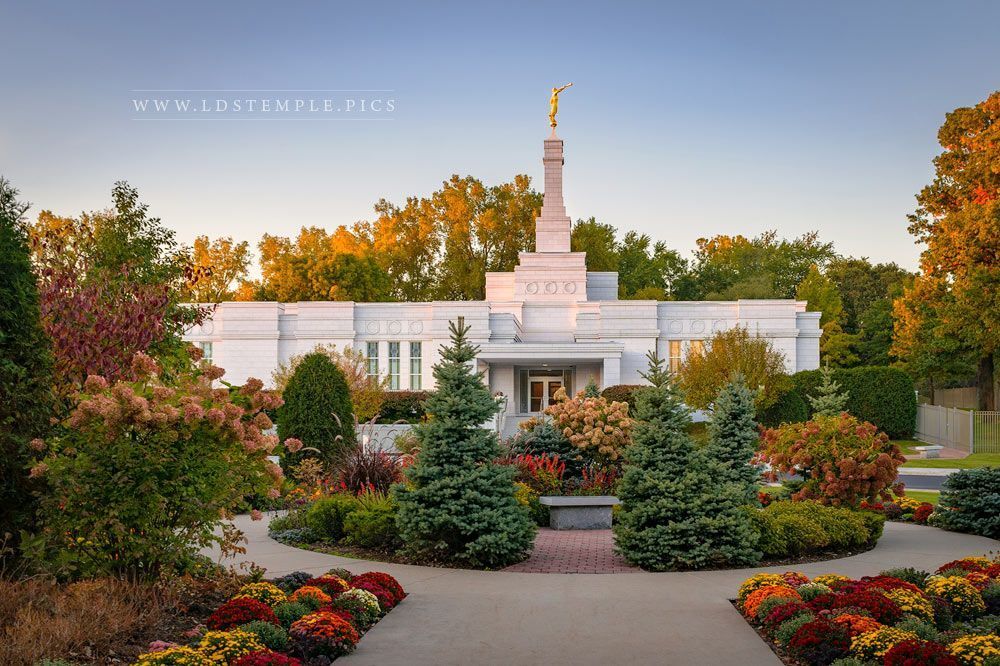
column 922, row 482
column 456, row 616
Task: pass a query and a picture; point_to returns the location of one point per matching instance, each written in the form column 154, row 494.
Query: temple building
column 547, row 325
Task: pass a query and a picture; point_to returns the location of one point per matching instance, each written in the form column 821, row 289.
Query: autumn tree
column 110, row 285
column 730, row 353
column 958, row 220
column 218, row 268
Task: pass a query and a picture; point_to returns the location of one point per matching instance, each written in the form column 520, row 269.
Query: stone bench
column 579, row 512
column 929, row 451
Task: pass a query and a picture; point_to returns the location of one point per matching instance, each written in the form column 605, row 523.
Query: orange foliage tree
column 958, row 218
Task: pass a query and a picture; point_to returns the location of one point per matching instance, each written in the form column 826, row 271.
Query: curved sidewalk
column 457, row 616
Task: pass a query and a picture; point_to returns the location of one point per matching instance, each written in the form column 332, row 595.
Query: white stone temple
column 549, row 324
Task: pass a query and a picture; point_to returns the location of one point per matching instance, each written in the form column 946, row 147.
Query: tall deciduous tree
column 218, row 267
column 458, row 504
column 25, row 368
column 821, row 296
column 958, row 219
column 599, row 241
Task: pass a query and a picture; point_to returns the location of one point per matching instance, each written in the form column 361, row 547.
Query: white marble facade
column 548, row 324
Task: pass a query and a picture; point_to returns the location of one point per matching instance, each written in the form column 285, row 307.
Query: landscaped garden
column 899, row 617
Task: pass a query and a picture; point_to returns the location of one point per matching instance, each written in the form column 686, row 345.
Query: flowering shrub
column 873, row 645
column 919, row 653
column 794, row 579
column 594, row 425
column 976, row 650
column 922, row 513
column 310, row 596
column 266, row 658
column 223, row 647
column 963, row 597
column 385, row 599
column 240, row 611
column 810, row 591
column 882, row 620
column 754, row 599
column 913, row 603
column 819, row 641
column 362, row 604
column 144, row 470
column 857, row 624
column 386, row 581
column 268, row 593
column 175, row 656
column 844, row 461
column 323, row 634
column 332, row 585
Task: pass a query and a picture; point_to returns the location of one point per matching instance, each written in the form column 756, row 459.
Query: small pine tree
column 591, row 390
column 733, row 436
column 828, row 402
column 317, row 411
column 25, row 367
column 676, row 513
column 458, row 504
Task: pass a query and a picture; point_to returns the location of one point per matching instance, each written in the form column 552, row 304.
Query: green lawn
column 924, row 496
column 968, row 462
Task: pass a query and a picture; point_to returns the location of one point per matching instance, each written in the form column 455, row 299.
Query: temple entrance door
column 542, row 391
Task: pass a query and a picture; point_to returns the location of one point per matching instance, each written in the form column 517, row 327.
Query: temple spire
column 552, row 227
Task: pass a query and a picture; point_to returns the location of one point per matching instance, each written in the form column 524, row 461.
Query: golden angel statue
column 554, row 104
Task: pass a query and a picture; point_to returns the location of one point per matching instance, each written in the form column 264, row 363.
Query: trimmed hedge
column 789, row 408
column 799, row 528
column 623, row 393
column 403, row 406
column 880, row 395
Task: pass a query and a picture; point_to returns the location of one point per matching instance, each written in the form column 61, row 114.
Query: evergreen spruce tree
column 733, row 436
column 25, row 368
column 828, row 401
column 591, row 390
column 317, row 411
column 458, row 505
column 677, row 513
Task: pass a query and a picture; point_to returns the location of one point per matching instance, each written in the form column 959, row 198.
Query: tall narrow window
column 697, row 347
column 206, row 350
column 675, row 356
column 371, row 357
column 416, row 366
column 393, row 366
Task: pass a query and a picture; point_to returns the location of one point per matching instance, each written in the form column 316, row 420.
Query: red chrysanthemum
column 965, row 564
column 879, row 606
column 783, row 612
column 266, row 658
column 240, row 611
column 323, row 634
column 819, row 642
column 332, row 585
column 385, row 598
column 386, row 581
column 919, row 653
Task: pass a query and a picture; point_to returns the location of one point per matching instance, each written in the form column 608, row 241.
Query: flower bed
column 902, row 509
column 902, row 616
column 295, row 620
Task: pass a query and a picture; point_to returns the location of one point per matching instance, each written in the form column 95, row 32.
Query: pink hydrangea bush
column 145, row 468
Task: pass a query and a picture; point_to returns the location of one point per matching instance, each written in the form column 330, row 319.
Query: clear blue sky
column 686, row 120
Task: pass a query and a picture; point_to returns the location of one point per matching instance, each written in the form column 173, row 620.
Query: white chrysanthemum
column 366, row 597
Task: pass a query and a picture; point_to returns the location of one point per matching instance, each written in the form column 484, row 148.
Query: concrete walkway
column 456, row 616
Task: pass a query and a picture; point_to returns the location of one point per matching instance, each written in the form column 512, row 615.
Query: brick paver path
column 574, row 552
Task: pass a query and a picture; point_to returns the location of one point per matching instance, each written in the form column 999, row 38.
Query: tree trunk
column 984, row 384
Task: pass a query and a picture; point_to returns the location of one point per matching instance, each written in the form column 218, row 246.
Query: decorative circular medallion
column 570, row 287
column 416, row 327
column 208, row 327
column 674, row 326
column 394, row 327
column 698, row 326
column 531, row 287
column 550, row 287
column 718, row 325
column 371, row 327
